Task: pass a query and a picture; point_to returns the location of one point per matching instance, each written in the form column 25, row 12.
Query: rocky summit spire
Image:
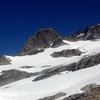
column 89, row 33
column 44, row 38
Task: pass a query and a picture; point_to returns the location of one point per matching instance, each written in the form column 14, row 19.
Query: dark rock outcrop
column 85, row 62
column 92, row 93
column 4, row 60
column 12, row 76
column 67, row 53
column 89, row 87
column 56, row 96
column 86, row 34
column 26, row 67
column 58, row 42
column 43, row 39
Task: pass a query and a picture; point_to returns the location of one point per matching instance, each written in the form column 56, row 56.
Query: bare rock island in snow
column 4, row 60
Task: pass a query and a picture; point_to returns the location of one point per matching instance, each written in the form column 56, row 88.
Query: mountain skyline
column 20, row 20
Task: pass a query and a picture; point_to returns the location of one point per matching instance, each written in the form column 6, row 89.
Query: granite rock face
column 44, row 38
column 89, row 33
column 4, row 60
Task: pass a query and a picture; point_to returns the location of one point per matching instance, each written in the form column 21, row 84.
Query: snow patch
column 80, row 35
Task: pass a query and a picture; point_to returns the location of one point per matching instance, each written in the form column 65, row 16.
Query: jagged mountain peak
column 48, row 32
column 97, row 25
column 44, row 38
column 46, row 29
column 89, row 33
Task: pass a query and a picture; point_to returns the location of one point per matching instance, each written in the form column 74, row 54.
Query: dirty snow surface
column 67, row 82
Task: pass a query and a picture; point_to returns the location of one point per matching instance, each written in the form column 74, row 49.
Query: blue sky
column 20, row 19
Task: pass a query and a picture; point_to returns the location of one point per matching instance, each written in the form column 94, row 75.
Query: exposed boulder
column 67, row 53
column 4, row 60
column 43, row 39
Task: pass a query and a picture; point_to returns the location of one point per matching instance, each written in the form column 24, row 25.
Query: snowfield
column 67, row 82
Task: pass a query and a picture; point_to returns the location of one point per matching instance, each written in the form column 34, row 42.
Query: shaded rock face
column 92, row 93
column 4, row 60
column 35, row 52
column 85, row 62
column 67, row 53
column 89, row 87
column 58, row 42
column 43, row 39
column 86, row 34
column 12, row 76
column 56, row 96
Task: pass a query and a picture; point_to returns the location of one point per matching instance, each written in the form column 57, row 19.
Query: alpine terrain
column 52, row 67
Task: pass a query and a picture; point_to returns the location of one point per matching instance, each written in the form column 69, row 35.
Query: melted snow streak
column 65, row 82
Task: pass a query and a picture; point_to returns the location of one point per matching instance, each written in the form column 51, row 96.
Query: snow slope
column 68, row 82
